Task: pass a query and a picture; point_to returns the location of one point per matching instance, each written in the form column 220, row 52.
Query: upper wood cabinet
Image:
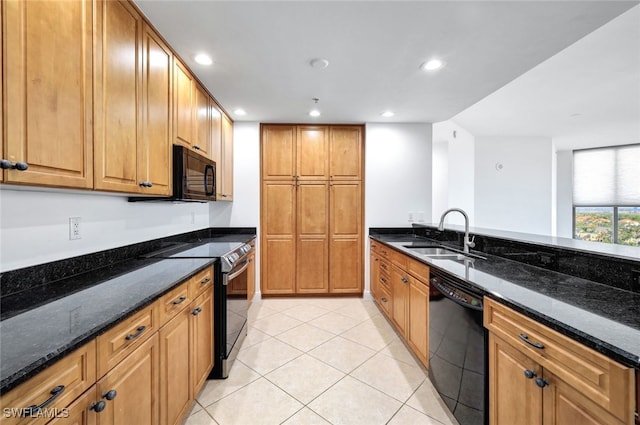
column 183, row 95
column 225, row 187
column 312, row 153
column 345, row 152
column 48, row 77
column 202, row 121
column 278, row 152
column 132, row 103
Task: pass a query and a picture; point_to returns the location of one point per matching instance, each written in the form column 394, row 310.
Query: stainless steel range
column 230, row 295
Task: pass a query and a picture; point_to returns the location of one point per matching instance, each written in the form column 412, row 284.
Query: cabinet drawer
column 68, row 378
column 398, row 259
column 119, row 341
column 174, row 301
column 200, row 282
column 385, row 266
column 418, row 270
column 375, row 246
column 384, row 251
column 384, row 280
column 384, row 300
column 604, row 381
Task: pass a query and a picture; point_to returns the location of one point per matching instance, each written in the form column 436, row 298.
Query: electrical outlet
column 74, row 228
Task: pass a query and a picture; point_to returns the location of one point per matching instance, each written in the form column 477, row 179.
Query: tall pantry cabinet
column 311, row 209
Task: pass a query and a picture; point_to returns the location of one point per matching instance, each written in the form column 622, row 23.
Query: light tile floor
column 320, row 361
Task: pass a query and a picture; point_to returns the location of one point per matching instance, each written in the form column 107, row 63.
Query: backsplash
column 28, row 278
column 616, row 272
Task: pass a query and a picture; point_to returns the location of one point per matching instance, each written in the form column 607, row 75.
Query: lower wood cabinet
column 132, row 388
column 538, row 376
column 146, row 370
column 400, row 286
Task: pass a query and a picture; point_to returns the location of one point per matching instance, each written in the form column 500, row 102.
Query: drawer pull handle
column 383, row 299
column 383, row 280
column 537, row 345
column 541, row 382
column 530, row 374
column 383, row 265
column 33, row 410
column 137, row 334
column 110, row 395
column 179, row 300
column 98, row 407
column 197, row 311
column 5, row 164
column 205, row 280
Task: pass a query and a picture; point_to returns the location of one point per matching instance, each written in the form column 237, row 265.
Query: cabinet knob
column 5, row 164
column 404, row 280
column 530, row 374
column 541, row 382
column 98, row 407
column 383, row 299
column 110, row 395
column 197, row 311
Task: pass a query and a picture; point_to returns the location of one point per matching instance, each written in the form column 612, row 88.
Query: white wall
column 453, row 171
column 397, row 174
column 398, row 177
column 564, row 194
column 517, row 197
column 34, row 228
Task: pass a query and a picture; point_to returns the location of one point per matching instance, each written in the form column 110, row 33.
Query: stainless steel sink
column 431, row 251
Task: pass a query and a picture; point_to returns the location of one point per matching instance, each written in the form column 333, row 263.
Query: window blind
column 607, row 176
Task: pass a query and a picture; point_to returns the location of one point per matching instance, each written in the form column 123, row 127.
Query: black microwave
column 194, row 178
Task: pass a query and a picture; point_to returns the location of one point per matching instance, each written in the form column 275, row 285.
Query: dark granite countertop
column 602, row 317
column 37, row 336
column 47, row 311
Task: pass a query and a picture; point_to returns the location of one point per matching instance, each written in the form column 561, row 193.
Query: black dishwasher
column 458, row 348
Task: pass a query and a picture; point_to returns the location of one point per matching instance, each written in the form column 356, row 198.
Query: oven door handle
column 237, row 273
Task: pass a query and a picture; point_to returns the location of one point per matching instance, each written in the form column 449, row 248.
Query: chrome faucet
column 467, row 243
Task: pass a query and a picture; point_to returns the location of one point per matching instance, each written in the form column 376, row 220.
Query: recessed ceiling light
column 314, row 113
column 240, row 112
column 432, row 65
column 387, row 114
column 319, row 63
column 203, row 59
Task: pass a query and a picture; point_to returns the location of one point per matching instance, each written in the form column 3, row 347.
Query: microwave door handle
column 213, row 185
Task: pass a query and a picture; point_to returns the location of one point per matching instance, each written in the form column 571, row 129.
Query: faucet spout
column 467, row 243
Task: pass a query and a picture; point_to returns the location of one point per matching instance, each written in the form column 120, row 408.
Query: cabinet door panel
column 202, row 339
column 399, row 299
column 183, row 100
column 345, row 153
column 564, row 404
column 513, row 399
column 118, row 89
column 227, row 159
column 136, row 382
column 155, row 148
column 278, row 266
column 312, row 237
column 175, row 369
column 418, row 332
column 345, row 261
column 279, row 209
column 49, row 118
column 312, row 153
column 202, row 132
column 278, row 152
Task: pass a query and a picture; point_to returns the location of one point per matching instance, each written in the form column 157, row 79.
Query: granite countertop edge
column 25, row 373
column 610, row 350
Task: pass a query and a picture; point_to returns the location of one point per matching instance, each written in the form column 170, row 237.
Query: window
column 606, row 194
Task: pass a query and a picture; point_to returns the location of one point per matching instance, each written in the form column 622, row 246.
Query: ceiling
column 262, row 50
